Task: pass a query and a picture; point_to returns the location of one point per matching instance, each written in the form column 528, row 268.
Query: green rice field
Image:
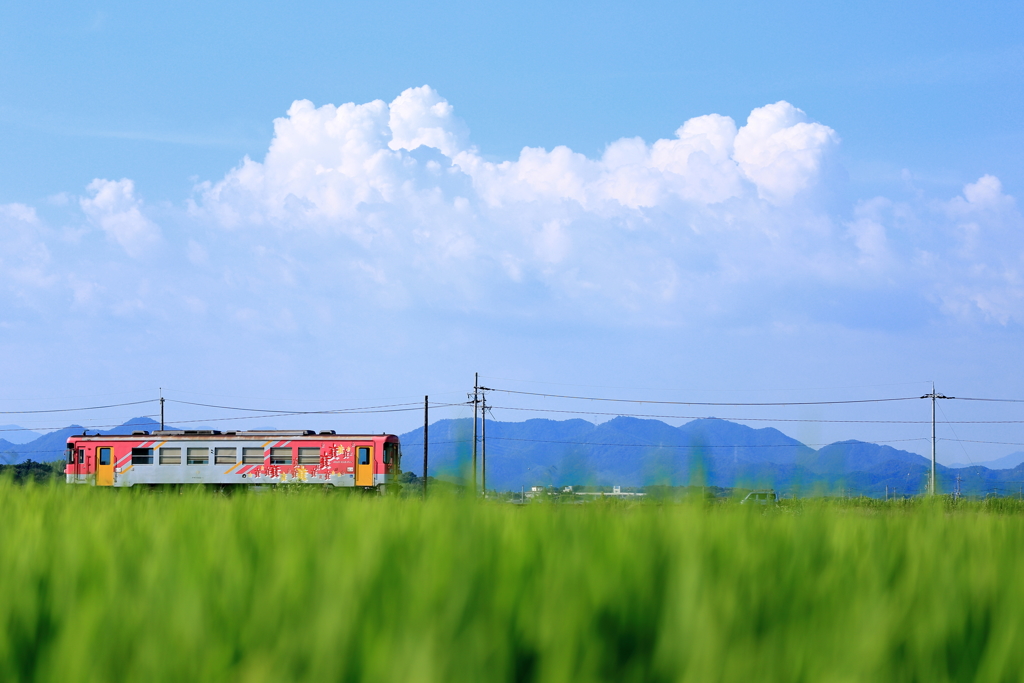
column 105, row 585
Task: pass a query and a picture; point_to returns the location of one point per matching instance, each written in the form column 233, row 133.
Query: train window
column 225, row 456
column 170, row 456
column 142, row 456
column 198, row 456
column 364, row 455
column 81, row 456
column 252, row 456
column 391, row 453
column 309, row 455
column 71, row 455
column 280, row 456
column 104, row 454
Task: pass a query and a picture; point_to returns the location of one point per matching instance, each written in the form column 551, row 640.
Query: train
column 239, row 458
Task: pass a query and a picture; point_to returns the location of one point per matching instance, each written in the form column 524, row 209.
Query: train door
column 364, row 465
column 104, row 466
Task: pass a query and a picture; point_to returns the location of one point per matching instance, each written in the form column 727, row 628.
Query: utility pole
column 476, row 391
column 426, row 426
column 933, row 396
column 483, row 442
column 933, row 439
column 161, row 409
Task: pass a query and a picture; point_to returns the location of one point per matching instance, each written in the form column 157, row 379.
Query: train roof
column 210, row 434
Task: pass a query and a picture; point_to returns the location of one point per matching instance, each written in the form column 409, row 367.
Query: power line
column 705, row 403
column 601, row 386
column 279, row 412
column 73, row 410
column 50, row 430
column 266, row 415
column 64, row 398
column 998, row 443
column 701, row 447
column 304, row 399
column 744, row 419
column 223, row 419
column 348, row 411
column 989, row 400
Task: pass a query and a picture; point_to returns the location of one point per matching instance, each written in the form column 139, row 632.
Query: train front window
column 71, row 455
column 391, row 453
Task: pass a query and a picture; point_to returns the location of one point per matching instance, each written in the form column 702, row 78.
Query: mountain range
column 50, row 446
column 633, row 452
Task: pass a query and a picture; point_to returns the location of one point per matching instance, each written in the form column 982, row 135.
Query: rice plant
column 106, row 585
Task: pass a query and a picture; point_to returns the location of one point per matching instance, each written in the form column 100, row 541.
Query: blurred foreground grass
column 101, row 585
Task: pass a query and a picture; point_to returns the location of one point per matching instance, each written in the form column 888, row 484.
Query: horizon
column 949, row 463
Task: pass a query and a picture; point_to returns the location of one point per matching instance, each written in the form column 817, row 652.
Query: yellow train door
column 104, row 466
column 364, row 465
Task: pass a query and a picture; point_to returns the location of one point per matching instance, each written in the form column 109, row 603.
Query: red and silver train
column 234, row 458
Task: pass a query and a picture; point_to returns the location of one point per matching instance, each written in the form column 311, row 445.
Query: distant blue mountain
column 8, row 452
column 624, row 451
column 1007, row 462
column 50, row 447
column 634, row 452
column 629, row 451
column 15, row 434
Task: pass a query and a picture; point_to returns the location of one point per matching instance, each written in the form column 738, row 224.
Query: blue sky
column 667, row 200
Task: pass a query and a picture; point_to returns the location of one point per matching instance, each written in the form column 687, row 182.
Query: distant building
column 616, row 492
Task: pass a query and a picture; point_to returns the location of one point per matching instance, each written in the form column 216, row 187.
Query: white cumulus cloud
column 420, row 117
column 984, row 268
column 390, row 206
column 402, row 179
column 780, row 152
column 335, row 163
column 114, row 208
column 719, row 213
column 24, row 257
